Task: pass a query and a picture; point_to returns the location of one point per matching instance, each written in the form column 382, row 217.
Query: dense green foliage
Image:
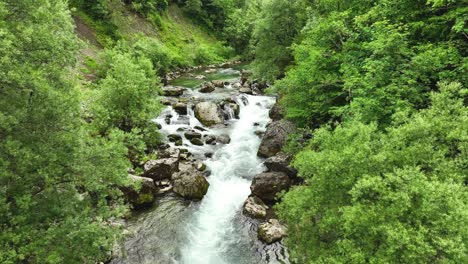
column 383, row 85
column 397, row 196
column 56, row 197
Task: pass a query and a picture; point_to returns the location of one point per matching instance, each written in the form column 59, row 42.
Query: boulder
column 275, row 137
column 196, row 141
column 219, row 84
column 173, row 90
column 200, row 166
column 254, row 207
column 236, row 85
column 267, row 185
column 190, row 184
column 245, row 74
column 276, row 112
column 192, row 134
column 208, row 113
column 280, row 162
column 207, row 87
column 168, row 153
column 174, row 137
column 271, row 231
column 142, row 192
column 161, row 169
column 223, row 139
column 210, row 140
column 245, row 90
column 180, row 108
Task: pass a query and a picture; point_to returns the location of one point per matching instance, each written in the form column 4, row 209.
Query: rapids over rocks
column 213, row 230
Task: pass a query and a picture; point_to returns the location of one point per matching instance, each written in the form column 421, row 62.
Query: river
column 214, row 230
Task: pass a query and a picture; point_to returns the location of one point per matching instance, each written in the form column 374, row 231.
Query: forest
column 376, row 90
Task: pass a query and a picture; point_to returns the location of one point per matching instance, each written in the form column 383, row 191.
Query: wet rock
column 210, row 140
column 254, row 207
column 267, row 185
column 161, row 169
column 259, row 133
column 208, row 113
column 159, row 126
column 277, row 112
column 180, row 108
column 174, row 137
column 179, row 142
column 190, row 184
column 223, row 139
column 280, row 162
column 207, row 87
column 209, row 155
column 256, row 124
column 271, row 231
column 245, row 90
column 192, row 134
column 199, row 128
column 219, row 84
column 142, row 192
column 275, row 138
column 196, row 141
column 235, row 108
column 200, row 166
column 173, row 90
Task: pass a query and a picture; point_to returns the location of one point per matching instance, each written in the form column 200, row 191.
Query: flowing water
column 213, row 231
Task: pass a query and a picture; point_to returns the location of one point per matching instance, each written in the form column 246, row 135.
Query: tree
column 279, row 23
column 374, row 197
column 55, row 190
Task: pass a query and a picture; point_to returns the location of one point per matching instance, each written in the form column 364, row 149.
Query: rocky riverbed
column 209, row 193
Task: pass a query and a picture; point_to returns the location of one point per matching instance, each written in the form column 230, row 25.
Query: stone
column 245, row 74
column 223, row 139
column 208, row 113
column 280, row 162
column 210, row 140
column 192, row 134
column 199, row 128
column 236, row 85
column 254, row 207
column 200, row 166
column 180, row 108
column 207, row 87
column 245, row 90
column 174, row 137
column 190, row 184
column 196, row 142
column 259, row 133
column 218, row 84
column 161, row 169
column 200, row 77
column 271, row 231
column 275, row 137
column 276, row 112
column 142, row 192
column 267, row 185
column 173, row 90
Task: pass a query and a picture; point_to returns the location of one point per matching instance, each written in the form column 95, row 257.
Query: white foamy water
column 212, row 230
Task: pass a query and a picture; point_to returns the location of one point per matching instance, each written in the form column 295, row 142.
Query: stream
column 213, row 230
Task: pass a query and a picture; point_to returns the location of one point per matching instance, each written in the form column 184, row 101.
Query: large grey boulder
column 271, row 231
column 161, row 169
column 275, row 137
column 218, row 83
column 223, row 139
column 280, row 162
column 173, row 90
column 267, row 185
column 190, row 184
column 208, row 113
column 254, row 207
